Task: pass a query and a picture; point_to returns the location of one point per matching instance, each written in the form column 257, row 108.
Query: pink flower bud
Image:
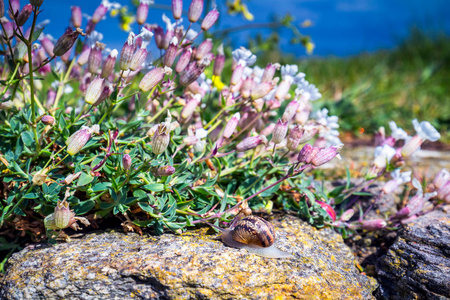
column 283, row 89
column 66, row 41
column 142, row 11
column 24, row 14
column 177, row 9
column 291, row 110
column 269, row 72
column 46, row 44
column 195, row 10
column 307, row 153
column 48, row 120
column 126, row 161
column 9, row 29
column 138, row 59
column 99, row 13
column 106, row 92
column 77, row 140
column 159, row 37
column 164, row 171
column 203, row 49
column 236, row 77
column 372, row 225
column 108, row 66
column 90, row 27
column 210, row 19
column 441, row 178
column 327, row 207
column 347, row 215
column 219, row 62
column 76, row 17
column 279, row 132
column 444, row 191
column 70, row 178
column 171, row 52
column 168, row 36
column 231, row 125
column 251, row 142
column 189, row 109
column 192, row 72
column 247, row 86
column 126, row 55
column 390, row 186
column 15, row 7
column 325, row 155
column 294, row 138
column 95, row 57
column 63, row 215
column 261, row 90
column 51, row 95
column 152, row 78
column 84, row 55
column 411, row 146
column 94, row 90
column 183, row 61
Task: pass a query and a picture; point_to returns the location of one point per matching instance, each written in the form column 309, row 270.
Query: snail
column 254, row 234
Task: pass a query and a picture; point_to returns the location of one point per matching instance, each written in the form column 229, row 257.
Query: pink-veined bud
column 347, row 215
column 78, row 139
column 126, row 55
column 195, row 10
column 108, row 66
column 76, row 17
column 325, row 155
column 251, row 142
column 66, row 41
column 307, row 153
column 183, row 61
column 219, row 62
column 95, row 57
column 142, row 11
column 291, row 110
column 279, row 132
column 15, row 7
column 371, row 225
column 84, row 55
column 190, row 107
column 411, row 145
column 152, row 78
column 444, row 191
column 294, row 138
column 390, row 186
column 159, row 37
column 9, row 29
column 160, row 140
column 283, row 89
column 210, row 19
column 138, row 59
column 203, row 49
column 164, row 171
column 70, row 178
column 261, row 90
column 193, row 71
column 94, row 90
column 99, row 13
column 24, row 14
column 48, row 120
column 236, row 77
column 177, row 9
column 126, row 161
column 46, row 44
column 171, row 52
column 90, row 27
column 106, row 92
column 168, row 36
column 246, row 88
column 327, row 207
column 51, row 96
column 63, row 215
column 231, row 125
column 441, row 178
column 269, row 72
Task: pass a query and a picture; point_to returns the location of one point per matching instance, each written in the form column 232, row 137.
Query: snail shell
column 255, row 235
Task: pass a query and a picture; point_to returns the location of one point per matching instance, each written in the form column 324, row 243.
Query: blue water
column 340, row 27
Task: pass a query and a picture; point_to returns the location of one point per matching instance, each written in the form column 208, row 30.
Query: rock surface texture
column 189, row 266
column 417, row 266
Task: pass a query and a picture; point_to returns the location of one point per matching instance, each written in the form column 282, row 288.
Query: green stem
column 33, row 101
column 161, row 111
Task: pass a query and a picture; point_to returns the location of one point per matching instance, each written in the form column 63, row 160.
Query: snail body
column 254, row 234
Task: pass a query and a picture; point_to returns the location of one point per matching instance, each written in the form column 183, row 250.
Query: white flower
column 146, row 36
column 94, row 37
column 397, row 132
column 191, row 34
column 383, row 154
column 111, row 5
column 426, row 131
column 401, row 178
column 329, row 127
column 307, row 91
column 200, row 134
column 169, row 25
column 419, row 188
column 148, row 2
column 67, row 88
column 244, row 57
column 290, row 73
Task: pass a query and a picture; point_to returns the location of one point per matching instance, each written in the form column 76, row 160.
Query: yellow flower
column 310, row 47
column 218, row 84
column 237, row 7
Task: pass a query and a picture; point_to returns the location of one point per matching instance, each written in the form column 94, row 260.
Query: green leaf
column 270, row 191
column 336, row 191
column 146, row 207
column 83, row 207
column 154, row 187
column 84, row 179
column 362, row 194
column 36, row 34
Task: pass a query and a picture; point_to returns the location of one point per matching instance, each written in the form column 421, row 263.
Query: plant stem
column 161, row 110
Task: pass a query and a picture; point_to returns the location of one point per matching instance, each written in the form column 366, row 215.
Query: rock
column 189, row 266
column 417, row 266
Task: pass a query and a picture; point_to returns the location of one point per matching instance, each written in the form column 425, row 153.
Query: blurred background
column 373, row 60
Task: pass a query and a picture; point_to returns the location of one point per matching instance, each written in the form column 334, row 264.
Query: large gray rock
column 189, row 266
column 417, row 266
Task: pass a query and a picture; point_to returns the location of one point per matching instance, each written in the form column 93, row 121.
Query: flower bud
column 269, row 72
column 14, row 7
column 347, row 215
column 108, row 66
column 390, row 186
column 291, row 110
column 279, row 132
column 99, row 13
column 443, row 191
column 307, row 153
column 251, row 142
column 171, row 52
column 159, row 37
column 283, row 89
column 411, row 146
column 441, row 178
column 164, row 171
column 219, row 62
column 94, row 90
column 152, row 78
column 195, row 10
column 142, row 11
column 76, row 17
column 190, row 107
column 95, row 57
column 177, row 9
column 24, row 14
column 127, row 52
column 6, row 105
column 183, row 61
column 325, row 155
column 66, row 41
column 193, row 71
column 70, row 178
column 231, row 125
column 261, row 90
column 236, row 77
column 138, row 59
column 39, row 177
column 210, row 19
column 327, row 207
column 203, row 49
column 90, row 27
column 78, row 139
column 126, row 161
column 294, row 138
column 48, row 120
column 84, row 55
column 49, row 221
column 63, row 215
column 46, row 44
column 106, row 92
column 160, row 141
column 2, row 8
column 372, row 225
